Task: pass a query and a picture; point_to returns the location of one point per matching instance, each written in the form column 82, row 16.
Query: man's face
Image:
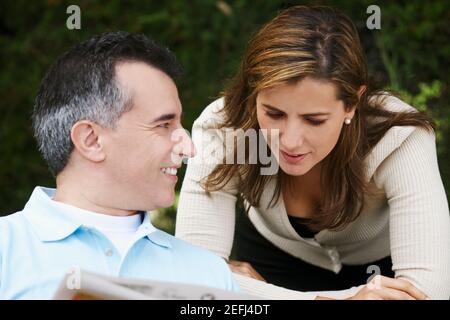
column 146, row 147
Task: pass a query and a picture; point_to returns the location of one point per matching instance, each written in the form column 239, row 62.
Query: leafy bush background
column 411, row 54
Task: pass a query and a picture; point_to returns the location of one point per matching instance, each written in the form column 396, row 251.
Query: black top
column 300, row 226
column 282, row 269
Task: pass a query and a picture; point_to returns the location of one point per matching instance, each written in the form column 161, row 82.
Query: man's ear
column 85, row 138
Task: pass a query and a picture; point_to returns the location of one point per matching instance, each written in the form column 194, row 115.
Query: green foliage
column 411, row 54
column 426, row 92
column 164, row 218
column 421, row 101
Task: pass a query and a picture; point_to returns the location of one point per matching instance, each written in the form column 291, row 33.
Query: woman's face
column 309, row 119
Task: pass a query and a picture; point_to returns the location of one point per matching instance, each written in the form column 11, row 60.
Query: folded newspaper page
column 84, row 285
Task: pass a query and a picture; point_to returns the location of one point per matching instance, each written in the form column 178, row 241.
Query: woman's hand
column 379, row 288
column 245, row 269
column 385, row 288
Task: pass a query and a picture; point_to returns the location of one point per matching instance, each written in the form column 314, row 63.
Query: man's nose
column 188, row 147
column 185, row 147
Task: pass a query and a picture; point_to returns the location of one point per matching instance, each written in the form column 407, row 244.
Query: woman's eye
column 274, row 115
column 316, row 122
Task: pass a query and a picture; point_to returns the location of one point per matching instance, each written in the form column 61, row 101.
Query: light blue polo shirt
column 40, row 244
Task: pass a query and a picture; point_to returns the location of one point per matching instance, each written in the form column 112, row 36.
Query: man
column 107, row 121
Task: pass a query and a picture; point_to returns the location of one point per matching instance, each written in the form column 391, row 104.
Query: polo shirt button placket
column 109, row 253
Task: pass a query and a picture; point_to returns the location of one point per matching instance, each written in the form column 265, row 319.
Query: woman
column 358, row 190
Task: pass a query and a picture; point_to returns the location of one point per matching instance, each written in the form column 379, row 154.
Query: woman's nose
column 291, row 138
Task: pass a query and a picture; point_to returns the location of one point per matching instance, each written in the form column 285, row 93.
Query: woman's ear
column 361, row 91
column 85, row 137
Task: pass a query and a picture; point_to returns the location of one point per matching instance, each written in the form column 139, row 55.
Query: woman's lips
column 293, row 158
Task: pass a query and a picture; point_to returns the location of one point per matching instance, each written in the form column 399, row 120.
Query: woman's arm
column 207, row 221
column 419, row 215
column 380, row 288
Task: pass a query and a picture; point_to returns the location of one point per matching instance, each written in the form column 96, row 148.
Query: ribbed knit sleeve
column 270, row 291
column 419, row 214
column 206, row 220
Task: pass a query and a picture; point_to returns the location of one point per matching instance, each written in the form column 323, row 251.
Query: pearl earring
column 347, row 120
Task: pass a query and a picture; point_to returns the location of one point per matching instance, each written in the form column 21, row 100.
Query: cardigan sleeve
column 419, row 215
column 206, row 220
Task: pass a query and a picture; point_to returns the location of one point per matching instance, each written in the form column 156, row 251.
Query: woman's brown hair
column 322, row 43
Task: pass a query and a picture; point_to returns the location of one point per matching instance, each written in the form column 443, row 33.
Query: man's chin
column 166, row 201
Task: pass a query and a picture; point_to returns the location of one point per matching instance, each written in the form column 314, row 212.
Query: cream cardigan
column 409, row 220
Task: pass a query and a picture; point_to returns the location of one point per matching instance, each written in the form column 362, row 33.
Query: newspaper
column 84, row 285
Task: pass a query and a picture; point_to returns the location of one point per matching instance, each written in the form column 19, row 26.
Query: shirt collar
column 51, row 222
column 158, row 237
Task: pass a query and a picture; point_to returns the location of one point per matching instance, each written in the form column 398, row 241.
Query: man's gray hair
column 52, row 130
